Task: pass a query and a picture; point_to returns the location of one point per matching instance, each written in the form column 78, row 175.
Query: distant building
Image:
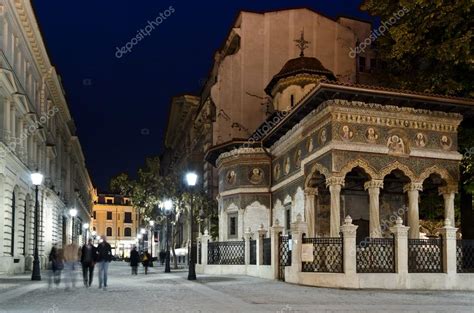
column 114, row 216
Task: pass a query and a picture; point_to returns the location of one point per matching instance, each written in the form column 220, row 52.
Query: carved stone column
column 449, row 192
column 413, row 190
column 310, row 210
column 349, row 232
column 373, row 188
column 335, row 185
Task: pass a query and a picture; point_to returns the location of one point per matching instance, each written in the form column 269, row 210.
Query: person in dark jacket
column 104, row 256
column 55, row 257
column 162, row 257
column 88, row 259
column 134, row 260
column 146, row 259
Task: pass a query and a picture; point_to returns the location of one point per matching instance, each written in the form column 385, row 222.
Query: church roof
column 300, row 65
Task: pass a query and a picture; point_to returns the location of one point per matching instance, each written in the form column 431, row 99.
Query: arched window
column 109, row 231
column 127, row 232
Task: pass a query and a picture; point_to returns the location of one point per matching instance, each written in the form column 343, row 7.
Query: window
column 95, row 215
column 361, row 64
column 127, row 232
column 127, row 202
column 118, row 216
column 127, row 217
column 110, row 201
column 233, row 225
column 109, row 231
column 109, row 215
column 118, row 232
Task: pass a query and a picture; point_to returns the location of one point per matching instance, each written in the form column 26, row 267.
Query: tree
column 429, row 49
column 150, row 188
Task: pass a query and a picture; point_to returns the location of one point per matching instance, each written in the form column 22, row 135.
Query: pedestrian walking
column 146, row 259
column 134, row 260
column 104, row 256
column 162, row 257
column 88, row 259
column 55, row 265
column 71, row 258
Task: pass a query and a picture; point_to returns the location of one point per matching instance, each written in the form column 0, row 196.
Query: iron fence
column 199, row 252
column 226, row 252
column 376, row 255
column 267, row 251
column 425, row 255
column 465, row 256
column 253, row 252
column 284, row 246
column 327, row 255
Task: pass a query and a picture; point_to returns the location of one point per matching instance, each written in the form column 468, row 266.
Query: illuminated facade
column 37, row 132
column 114, row 216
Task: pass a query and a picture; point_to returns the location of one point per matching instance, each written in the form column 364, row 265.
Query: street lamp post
column 37, row 179
column 191, row 180
column 73, row 213
column 168, row 206
column 142, row 233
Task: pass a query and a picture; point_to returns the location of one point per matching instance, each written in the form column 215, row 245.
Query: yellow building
column 115, row 217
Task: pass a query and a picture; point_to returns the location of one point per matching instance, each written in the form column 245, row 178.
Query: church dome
column 301, row 65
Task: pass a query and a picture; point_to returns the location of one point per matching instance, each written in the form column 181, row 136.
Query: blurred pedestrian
column 104, row 256
column 134, row 260
column 71, row 258
column 88, row 259
column 162, row 257
column 146, row 259
column 55, row 265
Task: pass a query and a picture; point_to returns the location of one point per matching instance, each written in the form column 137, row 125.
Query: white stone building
column 37, row 132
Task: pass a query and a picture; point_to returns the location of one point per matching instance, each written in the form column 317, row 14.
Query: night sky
column 120, row 105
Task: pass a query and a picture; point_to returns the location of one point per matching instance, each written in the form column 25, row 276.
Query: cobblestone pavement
column 160, row 292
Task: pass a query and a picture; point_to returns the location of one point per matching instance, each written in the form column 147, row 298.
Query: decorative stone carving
column 335, row 180
column 316, row 168
column 371, row 135
column 397, row 166
column 256, row 175
column 438, row 170
column 412, row 187
column 420, row 140
column 358, row 163
column 346, row 133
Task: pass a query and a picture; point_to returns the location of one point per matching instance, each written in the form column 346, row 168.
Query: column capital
column 335, row 181
column 413, row 187
column 374, row 183
column 449, row 189
column 261, row 231
column 311, row 191
column 349, row 230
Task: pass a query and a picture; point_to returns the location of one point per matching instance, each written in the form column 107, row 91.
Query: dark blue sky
column 120, row 105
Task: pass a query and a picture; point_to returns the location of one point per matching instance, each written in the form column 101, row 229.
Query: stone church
column 333, row 148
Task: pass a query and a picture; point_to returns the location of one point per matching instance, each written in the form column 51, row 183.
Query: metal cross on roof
column 302, row 44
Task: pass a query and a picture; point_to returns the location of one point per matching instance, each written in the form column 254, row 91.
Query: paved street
column 159, row 292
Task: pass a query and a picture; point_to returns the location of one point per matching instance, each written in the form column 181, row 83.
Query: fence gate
column 284, row 252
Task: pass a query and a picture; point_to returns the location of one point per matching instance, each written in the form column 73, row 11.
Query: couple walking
column 135, row 259
column 90, row 255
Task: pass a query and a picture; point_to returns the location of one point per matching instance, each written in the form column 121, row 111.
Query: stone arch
column 397, row 166
column 435, row 169
column 358, row 163
column 255, row 214
column 316, row 168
